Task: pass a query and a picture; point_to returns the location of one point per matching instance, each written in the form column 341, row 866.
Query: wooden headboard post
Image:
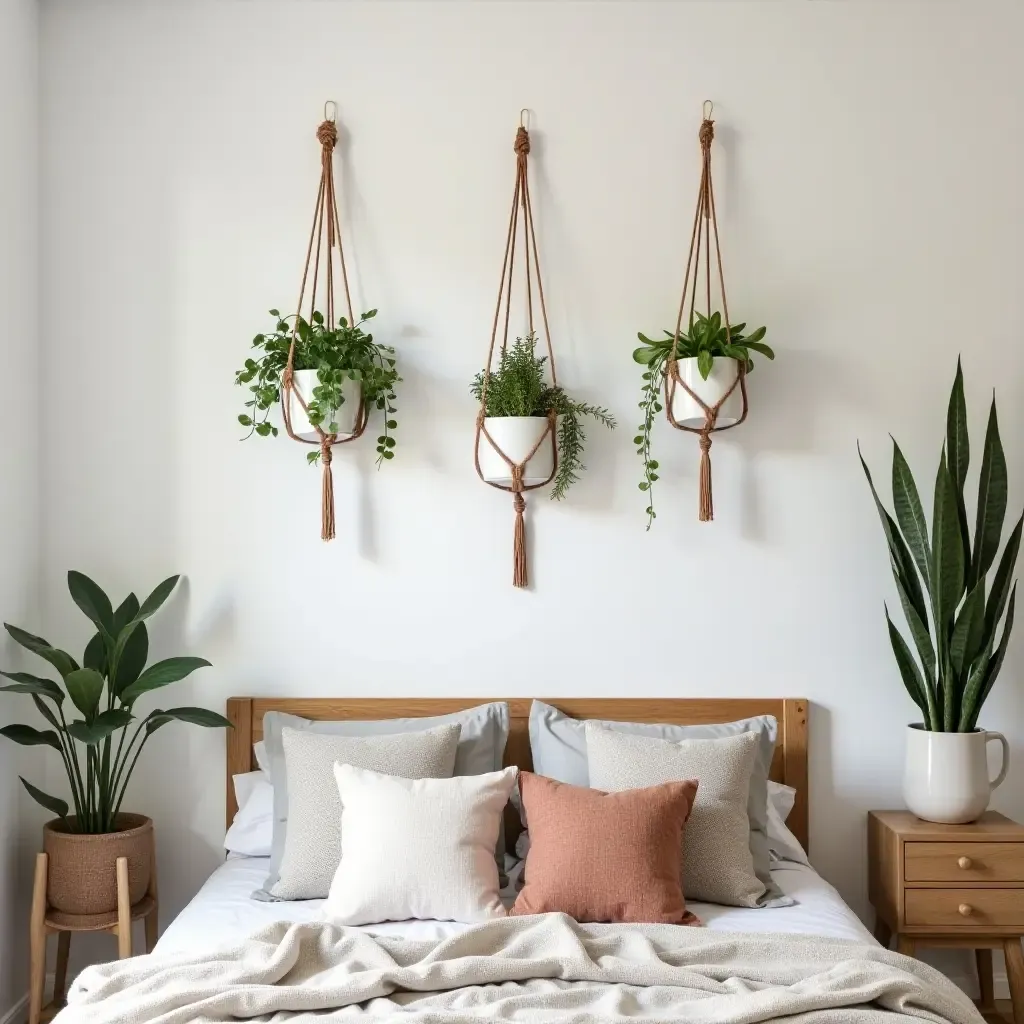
column 789, row 766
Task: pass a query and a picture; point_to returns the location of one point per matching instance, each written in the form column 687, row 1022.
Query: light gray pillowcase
column 717, row 866
column 481, row 750
column 559, row 747
column 312, row 846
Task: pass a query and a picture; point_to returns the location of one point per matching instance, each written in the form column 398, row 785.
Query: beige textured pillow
column 718, row 866
column 312, row 847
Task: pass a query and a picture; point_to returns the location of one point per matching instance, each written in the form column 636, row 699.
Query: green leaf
column 133, row 659
column 29, row 737
column 765, row 350
column 25, row 683
column 947, row 565
column 705, row 361
column 246, row 421
column 161, row 674
column 995, row 664
column 908, row 667
column 909, row 513
column 991, row 500
column 60, row 660
column 968, row 637
column 45, row 711
column 102, row 726
column 157, row 598
column 92, row 600
column 958, row 451
column 194, row 716
column 85, row 687
column 1001, row 581
column 96, row 654
column 53, row 804
column 919, row 631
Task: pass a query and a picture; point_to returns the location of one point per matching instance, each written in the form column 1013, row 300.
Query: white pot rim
column 921, row 727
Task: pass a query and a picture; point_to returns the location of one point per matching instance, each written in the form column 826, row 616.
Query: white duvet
column 223, row 914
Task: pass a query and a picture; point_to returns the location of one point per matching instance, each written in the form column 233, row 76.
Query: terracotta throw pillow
column 605, row 856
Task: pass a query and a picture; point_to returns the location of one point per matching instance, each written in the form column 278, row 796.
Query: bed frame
column 789, row 766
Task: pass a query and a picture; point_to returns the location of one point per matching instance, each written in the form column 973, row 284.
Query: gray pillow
column 559, row 748
column 481, row 750
column 312, row 846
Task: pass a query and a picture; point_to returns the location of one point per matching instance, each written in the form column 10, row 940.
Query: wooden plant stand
column 46, row 921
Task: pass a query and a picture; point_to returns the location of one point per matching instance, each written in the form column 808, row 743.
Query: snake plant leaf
column 26, row 736
column 947, row 564
column 918, row 630
column 60, row 660
column 958, row 451
column 997, row 661
column 85, row 687
column 950, row 693
column 23, row 682
column 52, row 803
column 968, row 636
column 909, row 513
column 903, row 566
column 1001, row 581
column 991, row 500
column 972, row 691
column 102, row 726
column 89, row 596
column 908, row 668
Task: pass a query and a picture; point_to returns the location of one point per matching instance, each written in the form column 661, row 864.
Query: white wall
column 18, row 446
column 869, row 162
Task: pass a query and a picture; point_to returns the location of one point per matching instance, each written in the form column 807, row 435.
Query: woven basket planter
column 82, row 868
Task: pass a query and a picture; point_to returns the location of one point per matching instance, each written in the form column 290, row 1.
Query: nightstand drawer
column 965, row 908
column 961, row 863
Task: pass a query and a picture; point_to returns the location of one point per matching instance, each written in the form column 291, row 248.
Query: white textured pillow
column 718, row 866
column 312, row 845
column 417, row 848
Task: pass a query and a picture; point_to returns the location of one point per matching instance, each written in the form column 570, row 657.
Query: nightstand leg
column 883, row 933
column 983, row 957
column 1015, row 975
column 906, row 945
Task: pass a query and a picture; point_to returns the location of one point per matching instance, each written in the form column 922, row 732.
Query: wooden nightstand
column 951, row 885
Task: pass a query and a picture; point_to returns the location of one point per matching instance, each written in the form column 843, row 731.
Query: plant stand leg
column 124, row 911
column 152, row 918
column 60, row 974
column 1015, row 975
column 987, row 1002
column 37, row 942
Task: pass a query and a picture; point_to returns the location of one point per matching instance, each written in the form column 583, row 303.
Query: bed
column 228, row 955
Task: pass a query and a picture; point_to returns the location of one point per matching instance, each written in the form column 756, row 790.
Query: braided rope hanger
column 705, row 226
column 531, row 262
column 326, row 229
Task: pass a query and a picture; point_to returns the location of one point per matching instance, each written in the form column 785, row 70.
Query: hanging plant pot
column 722, row 386
column 300, row 394
column 521, row 439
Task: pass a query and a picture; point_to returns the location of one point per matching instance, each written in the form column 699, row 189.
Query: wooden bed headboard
column 789, row 766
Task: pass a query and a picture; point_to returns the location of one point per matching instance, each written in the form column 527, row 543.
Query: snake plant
column 953, row 612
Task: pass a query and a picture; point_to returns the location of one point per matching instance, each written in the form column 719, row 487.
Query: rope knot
column 519, row 502
column 522, row 143
column 705, row 441
column 327, row 134
column 325, row 451
column 706, row 133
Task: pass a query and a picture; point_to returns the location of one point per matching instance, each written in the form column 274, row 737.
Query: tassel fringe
column 707, row 506
column 327, row 497
column 519, row 543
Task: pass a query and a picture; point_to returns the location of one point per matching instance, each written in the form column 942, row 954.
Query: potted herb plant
column 709, row 359
column 334, row 367
column 518, row 403
column 99, row 749
column 953, row 612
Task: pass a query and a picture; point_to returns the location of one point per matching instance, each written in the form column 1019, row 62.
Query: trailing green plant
column 96, row 752
column 952, row 612
column 706, row 339
column 341, row 353
column 518, row 387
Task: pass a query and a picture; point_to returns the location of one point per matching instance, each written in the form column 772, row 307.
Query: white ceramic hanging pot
column 724, row 372
column 346, row 415
column 945, row 778
column 516, row 436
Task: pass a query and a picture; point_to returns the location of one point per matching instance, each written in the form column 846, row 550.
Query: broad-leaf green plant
column 344, row 352
column 705, row 340
column 953, row 611
column 518, row 387
column 96, row 750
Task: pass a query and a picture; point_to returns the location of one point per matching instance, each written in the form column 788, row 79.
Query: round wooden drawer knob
column 965, row 909
column 964, row 863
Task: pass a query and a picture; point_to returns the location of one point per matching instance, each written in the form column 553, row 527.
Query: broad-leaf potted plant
column 518, row 404
column 100, row 748
column 709, row 359
column 959, row 618
column 340, row 372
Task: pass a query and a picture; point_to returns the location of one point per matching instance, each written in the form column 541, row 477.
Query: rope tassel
column 327, row 497
column 519, row 543
column 707, row 506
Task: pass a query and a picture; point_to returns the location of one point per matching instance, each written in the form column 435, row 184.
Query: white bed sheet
column 223, row 913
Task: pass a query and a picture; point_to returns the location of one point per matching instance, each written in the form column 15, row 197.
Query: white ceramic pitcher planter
column 346, row 415
column 724, row 372
column 516, row 436
column 946, row 774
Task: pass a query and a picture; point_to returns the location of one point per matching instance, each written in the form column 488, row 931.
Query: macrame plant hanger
column 705, row 227
column 522, row 214
column 324, row 237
